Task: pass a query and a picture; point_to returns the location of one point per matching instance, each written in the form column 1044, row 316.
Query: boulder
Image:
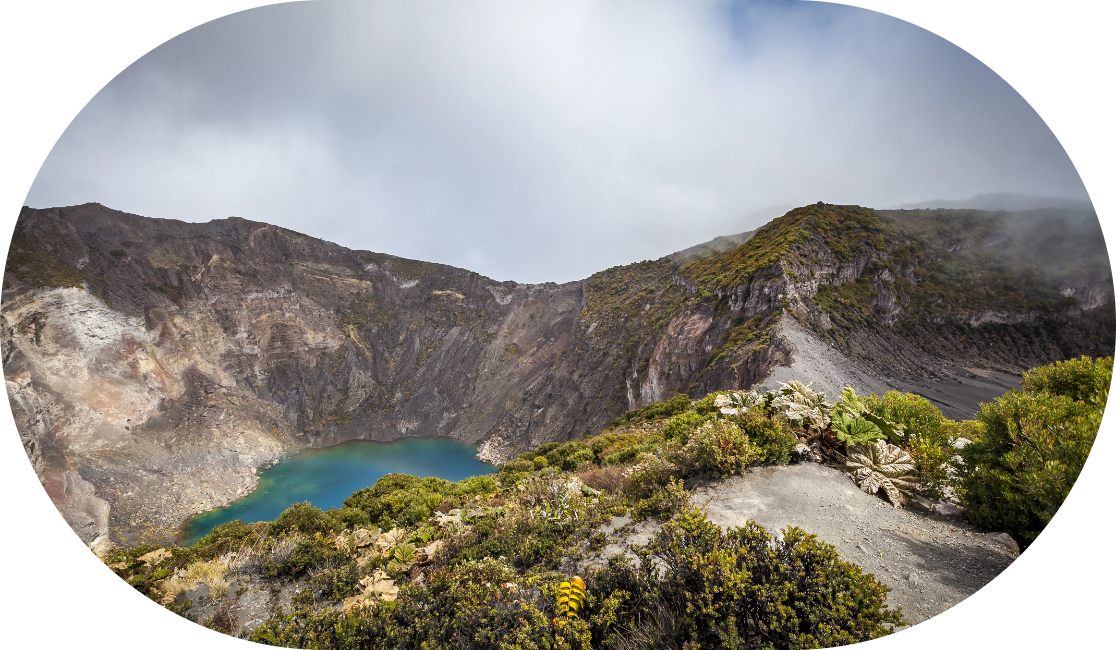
column 803, row 454
column 920, row 504
column 101, row 546
column 947, row 509
column 1004, row 540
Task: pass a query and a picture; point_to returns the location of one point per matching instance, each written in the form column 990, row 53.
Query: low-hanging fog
column 545, row 141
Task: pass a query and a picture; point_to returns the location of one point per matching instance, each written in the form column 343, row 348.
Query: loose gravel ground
column 930, row 563
column 957, row 391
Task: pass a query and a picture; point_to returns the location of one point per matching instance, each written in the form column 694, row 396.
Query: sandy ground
column 930, row 563
column 814, row 360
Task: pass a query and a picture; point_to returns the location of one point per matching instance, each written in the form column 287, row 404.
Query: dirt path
column 930, row 563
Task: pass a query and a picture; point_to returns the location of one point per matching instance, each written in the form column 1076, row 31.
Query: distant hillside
column 1005, row 201
column 151, row 356
column 721, row 244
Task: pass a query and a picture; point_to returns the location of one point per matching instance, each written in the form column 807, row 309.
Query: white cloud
column 545, row 141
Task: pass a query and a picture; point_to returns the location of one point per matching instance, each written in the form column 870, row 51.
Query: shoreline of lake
column 326, row 476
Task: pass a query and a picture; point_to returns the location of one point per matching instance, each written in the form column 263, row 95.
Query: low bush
column 656, row 411
column 771, row 436
column 628, row 455
column 404, row 500
column 303, row 518
column 624, row 448
column 338, row 583
column 1083, row 380
column 472, row 605
column 662, row 501
column 645, row 476
column 719, row 448
column 682, row 425
column 306, row 553
column 606, row 479
column 741, row 588
column 1033, row 444
column 926, row 436
column 349, row 517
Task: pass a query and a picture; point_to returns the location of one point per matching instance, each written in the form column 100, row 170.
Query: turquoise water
column 326, row 477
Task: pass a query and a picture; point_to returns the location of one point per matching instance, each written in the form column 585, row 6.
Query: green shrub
column 1084, row 380
column 404, row 500
column 547, row 448
column 611, row 448
column 709, row 588
column 967, row 429
column 719, row 448
column 918, row 416
column 517, row 466
column 771, row 436
column 535, row 541
column 339, row 583
column 656, row 411
column 926, row 436
column 349, row 517
column 662, row 501
column 307, row 553
column 303, row 518
column 680, row 426
column 651, row 472
column 1016, row 476
column 473, row 605
column 626, row 455
column 704, row 406
column 475, row 485
column 226, row 538
column 565, row 456
column 578, row 459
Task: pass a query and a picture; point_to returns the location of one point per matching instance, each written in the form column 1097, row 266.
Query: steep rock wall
column 152, row 365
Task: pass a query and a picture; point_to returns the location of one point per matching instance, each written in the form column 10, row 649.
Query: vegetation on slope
column 1032, row 447
column 29, row 262
column 484, row 562
column 1000, row 280
column 783, row 241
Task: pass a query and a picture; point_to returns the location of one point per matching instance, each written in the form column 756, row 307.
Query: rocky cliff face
column 152, row 365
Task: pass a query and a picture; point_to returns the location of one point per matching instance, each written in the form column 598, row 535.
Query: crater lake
column 326, row 477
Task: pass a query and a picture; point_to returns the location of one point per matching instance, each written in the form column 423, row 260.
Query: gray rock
column 961, row 443
column 947, row 509
column 101, row 545
column 1004, row 540
column 803, row 454
column 860, row 547
column 920, row 504
column 913, row 581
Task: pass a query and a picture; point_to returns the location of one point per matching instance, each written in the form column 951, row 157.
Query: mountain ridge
column 147, row 356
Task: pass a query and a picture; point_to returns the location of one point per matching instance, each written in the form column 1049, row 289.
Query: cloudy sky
column 545, row 141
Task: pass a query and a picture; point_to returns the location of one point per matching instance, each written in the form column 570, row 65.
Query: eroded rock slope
column 152, row 365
